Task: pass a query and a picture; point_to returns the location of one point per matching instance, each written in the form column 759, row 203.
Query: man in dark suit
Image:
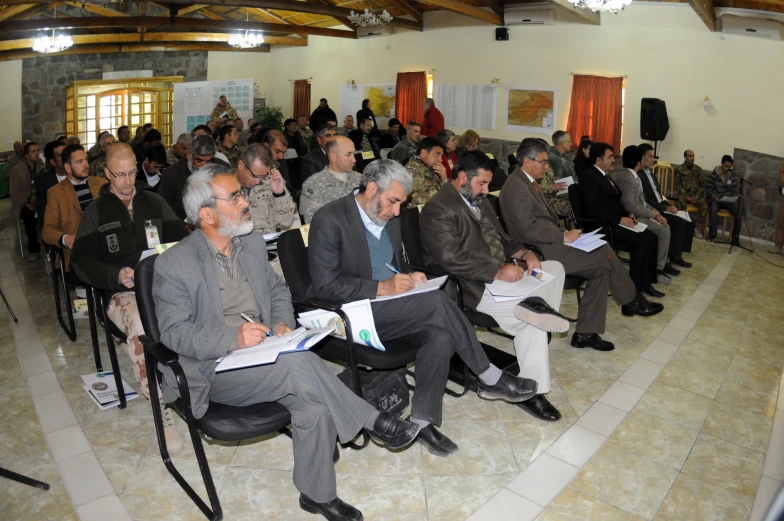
column 316, row 160
column 355, row 253
column 682, row 231
column 601, row 199
column 530, row 220
column 361, row 137
column 50, row 177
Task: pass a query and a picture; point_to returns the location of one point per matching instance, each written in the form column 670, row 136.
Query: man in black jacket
column 361, row 137
column 321, row 115
column 50, row 177
column 316, row 160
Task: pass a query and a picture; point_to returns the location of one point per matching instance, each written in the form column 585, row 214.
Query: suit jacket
column 189, row 308
column 452, row 239
column 363, row 114
column 526, row 214
column 432, row 123
column 173, row 180
column 601, row 198
column 63, row 213
column 650, row 195
column 356, row 137
column 45, row 181
column 631, row 192
column 20, row 185
column 313, row 162
column 338, row 254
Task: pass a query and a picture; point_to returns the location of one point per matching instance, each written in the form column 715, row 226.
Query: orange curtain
column 301, row 99
column 411, row 93
column 596, row 110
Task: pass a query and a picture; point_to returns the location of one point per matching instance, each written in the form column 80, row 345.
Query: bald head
column 121, row 170
column 340, row 152
column 119, row 152
column 688, row 157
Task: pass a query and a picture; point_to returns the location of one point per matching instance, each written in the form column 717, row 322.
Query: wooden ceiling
column 131, row 26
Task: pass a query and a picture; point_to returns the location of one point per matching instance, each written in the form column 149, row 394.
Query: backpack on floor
column 387, row 391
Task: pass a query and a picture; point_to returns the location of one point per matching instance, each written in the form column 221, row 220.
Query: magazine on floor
column 102, row 390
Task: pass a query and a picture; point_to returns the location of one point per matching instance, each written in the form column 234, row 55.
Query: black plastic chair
column 220, row 422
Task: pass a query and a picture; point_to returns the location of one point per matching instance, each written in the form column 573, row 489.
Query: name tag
column 491, row 156
column 367, row 155
column 151, row 233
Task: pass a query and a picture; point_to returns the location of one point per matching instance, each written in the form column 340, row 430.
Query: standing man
column 407, row 148
column 124, row 134
column 337, row 180
column 49, row 177
column 98, row 162
column 560, row 157
column 690, row 183
column 316, row 160
column 779, row 248
column 271, row 206
column 321, row 115
column 724, row 182
column 223, row 108
column 348, row 126
column 305, row 132
column 434, row 120
column 361, row 137
column 20, row 187
column 427, row 171
column 227, row 144
column 178, row 149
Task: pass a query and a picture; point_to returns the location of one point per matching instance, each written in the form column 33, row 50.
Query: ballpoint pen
column 248, row 319
column 392, row 268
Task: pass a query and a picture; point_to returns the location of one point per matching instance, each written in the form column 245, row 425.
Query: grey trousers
column 433, row 321
column 663, row 235
column 321, row 408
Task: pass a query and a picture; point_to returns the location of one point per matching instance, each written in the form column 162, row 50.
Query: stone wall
column 762, row 200
column 45, row 79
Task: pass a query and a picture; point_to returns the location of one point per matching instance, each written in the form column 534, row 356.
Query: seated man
column 407, row 147
column 271, row 206
column 61, row 216
column 629, row 183
column 559, row 156
column 690, row 185
column 361, row 137
column 111, row 237
column 223, row 264
column 560, row 204
column 529, row 220
column 390, row 137
column 348, row 126
column 682, row 231
column 355, row 250
column 154, row 163
column 178, row 149
column 227, row 144
column 20, row 187
column 723, row 182
column 427, row 170
column 337, row 180
column 49, row 177
column 304, row 131
column 151, row 137
column 462, row 235
column 316, row 160
column 294, row 138
column 601, row 200
column 275, row 140
column 98, row 161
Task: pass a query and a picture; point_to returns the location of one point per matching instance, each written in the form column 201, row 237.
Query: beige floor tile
column 482, row 449
column 62, row 512
column 21, row 436
column 530, row 437
column 456, row 497
column 725, row 464
column 247, row 493
column 694, row 499
column 583, row 393
column 377, row 460
column 741, row 427
column 674, row 404
column 18, row 500
column 715, row 331
column 655, row 438
column 705, row 355
column 757, row 372
column 573, row 505
column 119, row 465
column 748, row 396
column 625, row 480
column 393, row 498
column 695, row 378
column 576, row 364
column 469, row 408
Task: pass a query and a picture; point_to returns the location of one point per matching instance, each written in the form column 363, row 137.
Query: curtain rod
column 591, row 74
column 309, row 79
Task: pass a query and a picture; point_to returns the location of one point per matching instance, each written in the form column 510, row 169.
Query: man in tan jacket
column 20, row 186
column 779, row 249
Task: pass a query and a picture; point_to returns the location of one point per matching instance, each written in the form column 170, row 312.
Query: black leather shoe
column 642, row 307
column 538, row 313
column 669, row 270
column 435, row 442
column 513, row 389
column 592, row 340
column 393, row 432
column 335, row 510
column 681, row 262
column 539, row 407
column 653, row 292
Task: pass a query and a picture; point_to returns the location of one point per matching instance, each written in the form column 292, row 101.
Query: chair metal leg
column 19, row 234
column 579, row 297
column 24, row 480
column 7, row 305
column 94, row 329
column 455, row 394
column 70, row 330
column 113, row 358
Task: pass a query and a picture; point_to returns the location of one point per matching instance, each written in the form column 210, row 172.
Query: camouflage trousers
column 125, row 315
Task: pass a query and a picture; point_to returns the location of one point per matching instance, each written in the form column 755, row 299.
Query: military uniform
column 97, row 166
column 561, row 165
column 691, row 182
column 343, row 131
column 559, row 204
column 229, row 110
column 244, row 137
column 307, row 136
column 232, row 154
column 404, row 150
column 269, row 211
column 170, row 157
column 325, row 187
column 426, row 183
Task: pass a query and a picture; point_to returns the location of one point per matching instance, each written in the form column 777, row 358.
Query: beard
column 228, row 228
column 373, row 210
column 466, row 192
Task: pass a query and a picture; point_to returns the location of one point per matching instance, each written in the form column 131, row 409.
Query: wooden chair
column 725, row 214
column 665, row 174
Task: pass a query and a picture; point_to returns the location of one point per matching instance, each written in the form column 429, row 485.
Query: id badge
column 151, row 232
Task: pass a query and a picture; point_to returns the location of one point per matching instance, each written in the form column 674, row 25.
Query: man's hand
column 557, row 187
column 660, row 219
column 282, row 329
column 672, row 209
column 68, row 240
column 419, row 277
column 126, row 277
column 509, row 273
column 532, row 262
column 400, row 283
column 572, row 235
column 627, row 221
column 440, row 171
column 277, row 183
column 251, row 334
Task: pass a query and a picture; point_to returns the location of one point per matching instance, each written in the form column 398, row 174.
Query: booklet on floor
column 267, row 352
column 359, row 313
column 102, row 390
column 503, row 291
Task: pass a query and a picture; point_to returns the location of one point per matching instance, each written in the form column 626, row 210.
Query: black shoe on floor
column 513, row 389
column 680, row 261
column 669, row 270
column 335, row 510
column 642, row 307
column 538, row 313
column 653, row 292
column 539, row 407
column 592, row 340
column 435, row 442
column 393, row 432
column 711, row 238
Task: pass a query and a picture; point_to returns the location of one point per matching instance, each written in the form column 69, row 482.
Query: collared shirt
column 60, row 178
column 372, row 227
column 529, row 177
column 653, row 185
column 227, row 264
column 152, row 179
column 602, row 171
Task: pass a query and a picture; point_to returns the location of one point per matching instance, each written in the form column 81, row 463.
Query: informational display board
column 467, row 106
column 194, row 101
column 531, row 110
column 382, row 97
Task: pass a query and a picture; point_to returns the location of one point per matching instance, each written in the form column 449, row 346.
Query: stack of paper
column 267, row 352
column 102, row 390
column 503, row 291
column 682, row 214
column 568, row 180
column 729, row 198
column 589, row 241
column 430, row 285
column 637, row 228
column 360, row 314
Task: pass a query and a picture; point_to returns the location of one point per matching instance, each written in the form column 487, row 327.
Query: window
column 429, row 80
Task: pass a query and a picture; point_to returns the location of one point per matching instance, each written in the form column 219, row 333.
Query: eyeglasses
column 236, row 198
column 253, row 174
column 543, row 162
column 123, row 175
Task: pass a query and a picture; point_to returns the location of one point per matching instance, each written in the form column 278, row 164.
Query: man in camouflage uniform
column 427, row 171
column 178, row 149
column 560, row 204
column 562, row 165
column 304, row 131
column 271, row 206
column 348, row 126
column 227, row 144
column 98, row 164
column 223, row 107
column 690, row 183
column 337, row 180
column 244, row 133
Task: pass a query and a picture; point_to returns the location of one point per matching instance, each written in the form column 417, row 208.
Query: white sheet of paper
column 272, row 236
column 503, row 291
column 360, row 314
column 147, row 253
column 682, row 214
column 568, row 181
column 637, row 228
column 729, row 199
column 267, row 352
column 588, row 246
column 430, row 285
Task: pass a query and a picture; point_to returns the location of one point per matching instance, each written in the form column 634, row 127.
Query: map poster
column 382, row 96
column 531, row 110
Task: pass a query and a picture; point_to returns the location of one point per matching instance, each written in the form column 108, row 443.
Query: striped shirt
column 83, row 194
column 227, row 264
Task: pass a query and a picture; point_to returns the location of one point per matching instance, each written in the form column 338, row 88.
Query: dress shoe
column 681, row 262
column 393, row 432
column 592, row 340
column 669, row 270
column 711, row 238
column 539, row 407
column 653, row 292
column 642, row 307
column 698, row 233
column 537, row 312
column 662, row 278
column 513, row 389
column 435, row 442
column 335, row 510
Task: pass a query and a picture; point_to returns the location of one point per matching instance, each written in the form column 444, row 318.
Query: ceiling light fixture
column 368, row 19
column 55, row 44
column 604, row 6
column 248, row 40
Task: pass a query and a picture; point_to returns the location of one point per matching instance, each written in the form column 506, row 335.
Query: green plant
column 270, row 118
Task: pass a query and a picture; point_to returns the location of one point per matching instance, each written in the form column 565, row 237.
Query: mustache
column 244, row 211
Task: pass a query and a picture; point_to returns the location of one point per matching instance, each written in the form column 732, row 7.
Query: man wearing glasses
column 271, row 206
column 115, row 229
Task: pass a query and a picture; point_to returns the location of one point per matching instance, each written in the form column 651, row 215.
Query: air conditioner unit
column 523, row 16
column 758, row 28
column 372, row 32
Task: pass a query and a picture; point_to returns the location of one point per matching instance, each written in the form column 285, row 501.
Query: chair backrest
column 411, row 235
column 294, row 166
column 143, row 279
column 576, row 202
column 495, row 202
column 499, row 178
column 512, row 159
column 290, row 154
column 385, row 152
column 293, row 256
column 665, row 174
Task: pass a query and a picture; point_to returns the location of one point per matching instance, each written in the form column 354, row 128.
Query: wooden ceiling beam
column 101, row 10
column 706, row 12
column 14, row 10
column 585, row 15
column 189, row 9
column 466, row 9
column 155, row 47
column 210, row 15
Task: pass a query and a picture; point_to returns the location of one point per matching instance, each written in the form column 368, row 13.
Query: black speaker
column 654, row 123
column 502, row 34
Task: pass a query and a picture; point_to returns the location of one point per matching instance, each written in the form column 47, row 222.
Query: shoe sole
column 543, row 321
column 578, row 346
column 494, row 397
column 402, row 444
column 313, row 510
column 436, row 453
column 641, row 314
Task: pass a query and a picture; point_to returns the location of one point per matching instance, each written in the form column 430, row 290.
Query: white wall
column 10, row 103
column 238, row 65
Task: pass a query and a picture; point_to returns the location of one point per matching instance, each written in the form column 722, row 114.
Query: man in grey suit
column 355, row 252
column 202, row 286
column 529, row 220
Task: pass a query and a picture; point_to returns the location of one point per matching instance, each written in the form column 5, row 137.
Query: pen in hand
column 122, row 268
column 248, row 319
column 392, row 268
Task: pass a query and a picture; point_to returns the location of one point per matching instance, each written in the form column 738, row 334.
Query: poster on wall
column 194, row 101
column 531, row 110
column 467, row 106
column 381, row 96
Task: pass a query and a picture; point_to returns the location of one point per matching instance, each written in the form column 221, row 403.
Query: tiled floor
column 673, row 425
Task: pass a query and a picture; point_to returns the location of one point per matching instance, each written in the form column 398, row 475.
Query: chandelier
column 368, row 19
column 47, row 45
column 248, row 40
column 605, row 6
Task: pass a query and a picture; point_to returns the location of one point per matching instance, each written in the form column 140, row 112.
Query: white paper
column 729, row 199
column 589, row 246
column 147, row 253
column 267, row 352
column 682, row 214
column 360, row 314
column 637, row 228
column 102, row 390
column 568, row 180
column 430, row 285
column 269, row 237
column 468, row 106
column 503, row 291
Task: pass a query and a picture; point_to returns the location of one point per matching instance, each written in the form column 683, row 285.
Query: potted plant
column 270, row 118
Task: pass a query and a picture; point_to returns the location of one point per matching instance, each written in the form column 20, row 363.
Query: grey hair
column 198, row 192
column 185, row 137
column 323, row 129
column 430, row 102
column 203, row 146
column 530, row 147
column 383, row 172
column 256, row 152
column 104, row 135
column 559, row 137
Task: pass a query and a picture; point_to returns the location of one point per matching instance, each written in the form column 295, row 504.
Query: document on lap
column 682, row 214
column 503, row 291
column 360, row 315
column 267, row 352
column 589, row 241
column 568, row 181
column 637, row 228
column 430, row 285
column 729, row 199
